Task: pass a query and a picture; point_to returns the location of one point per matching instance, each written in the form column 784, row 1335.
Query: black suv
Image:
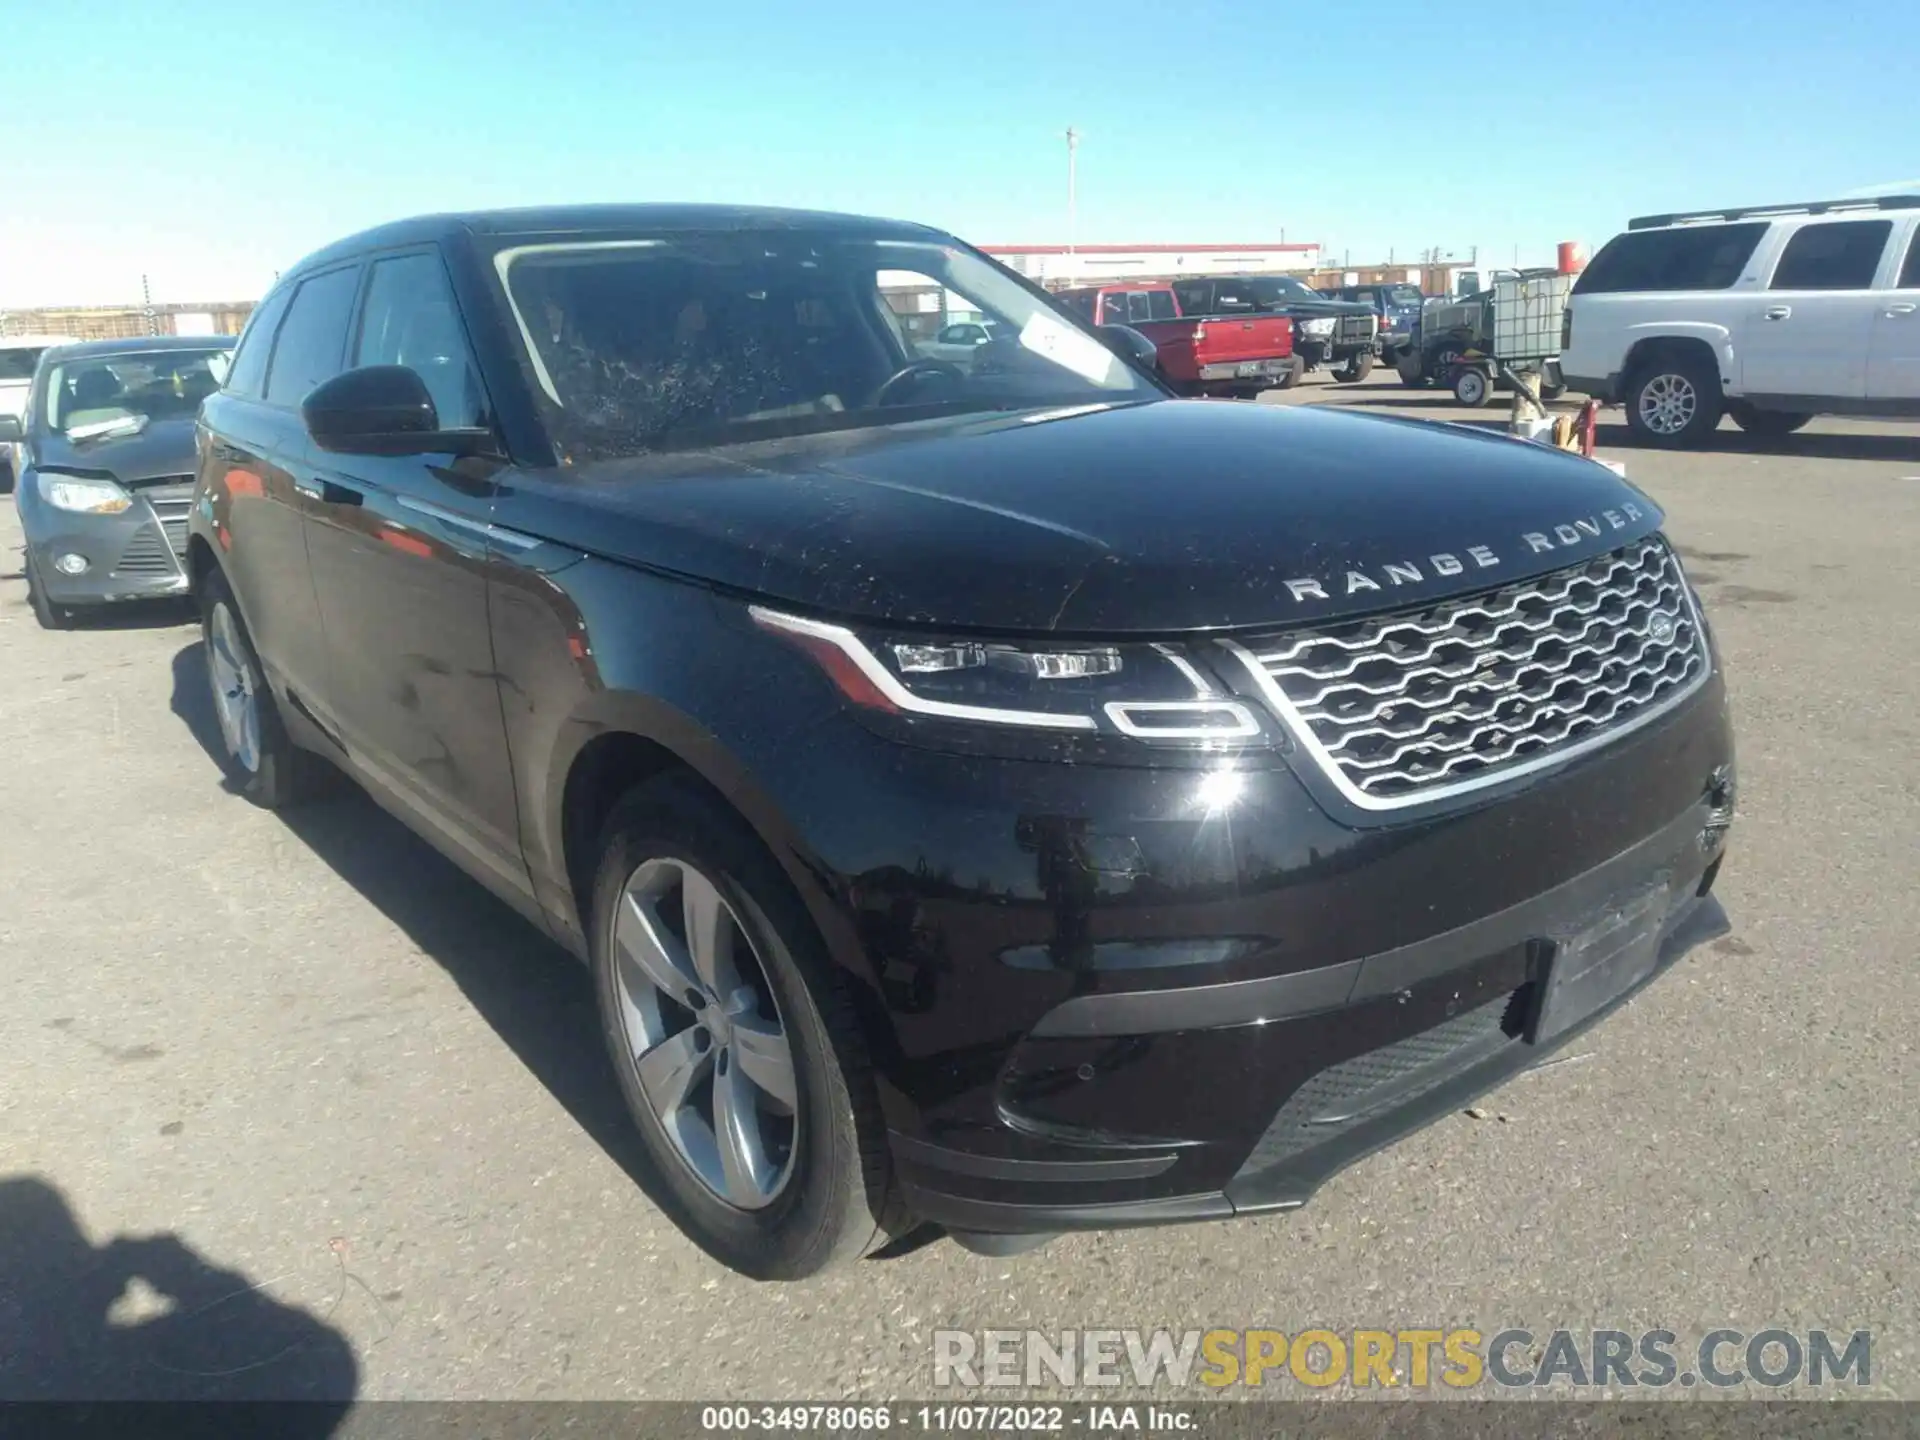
column 1398, row 307
column 1006, row 797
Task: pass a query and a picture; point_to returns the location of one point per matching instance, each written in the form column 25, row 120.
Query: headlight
column 1144, row 692
column 82, row 494
column 1317, row 328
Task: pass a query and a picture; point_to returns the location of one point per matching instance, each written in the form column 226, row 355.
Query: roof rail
column 1809, row 207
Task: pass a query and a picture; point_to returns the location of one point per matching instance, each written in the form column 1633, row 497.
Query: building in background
column 1057, row 266
column 123, row 322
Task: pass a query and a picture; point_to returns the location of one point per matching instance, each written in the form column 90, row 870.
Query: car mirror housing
column 1131, row 344
column 11, row 431
column 382, row 410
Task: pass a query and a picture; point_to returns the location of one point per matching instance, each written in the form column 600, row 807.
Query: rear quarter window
column 1695, row 257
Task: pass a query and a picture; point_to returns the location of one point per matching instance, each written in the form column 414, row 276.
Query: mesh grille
column 1337, row 1094
column 171, row 499
column 147, row 554
column 1462, row 691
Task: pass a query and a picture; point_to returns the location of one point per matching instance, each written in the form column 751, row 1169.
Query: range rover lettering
column 999, row 795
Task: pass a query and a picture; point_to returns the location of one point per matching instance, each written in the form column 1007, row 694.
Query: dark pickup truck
column 1325, row 332
column 1232, row 355
column 1398, row 308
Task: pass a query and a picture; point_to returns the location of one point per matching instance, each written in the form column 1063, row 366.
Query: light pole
column 1073, row 145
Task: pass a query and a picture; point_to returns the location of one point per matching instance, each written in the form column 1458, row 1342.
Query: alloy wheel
column 1667, row 403
column 704, row 1033
column 235, row 689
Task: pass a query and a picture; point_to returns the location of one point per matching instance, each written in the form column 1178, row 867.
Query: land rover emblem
column 1661, row 627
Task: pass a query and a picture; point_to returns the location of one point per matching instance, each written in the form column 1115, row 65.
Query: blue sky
column 212, row 143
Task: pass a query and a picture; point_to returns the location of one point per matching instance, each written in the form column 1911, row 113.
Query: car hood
column 1309, row 309
column 1150, row 518
column 164, row 450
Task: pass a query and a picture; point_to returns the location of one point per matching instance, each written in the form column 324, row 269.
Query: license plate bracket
column 1601, row 960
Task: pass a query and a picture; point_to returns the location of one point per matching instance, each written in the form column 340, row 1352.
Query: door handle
column 310, row 488
column 1779, row 312
column 1903, row 308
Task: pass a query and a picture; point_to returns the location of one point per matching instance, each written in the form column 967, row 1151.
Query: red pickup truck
column 1219, row 355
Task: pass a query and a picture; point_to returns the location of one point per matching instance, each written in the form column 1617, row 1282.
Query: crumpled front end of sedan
column 92, row 540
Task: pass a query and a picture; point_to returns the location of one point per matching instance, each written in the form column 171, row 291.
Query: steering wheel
column 926, row 365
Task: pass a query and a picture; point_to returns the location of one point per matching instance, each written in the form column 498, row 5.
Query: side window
column 1160, row 305
column 1910, row 272
column 249, row 366
column 313, row 337
column 1193, row 298
column 410, row 319
column 1702, row 257
column 1842, row 255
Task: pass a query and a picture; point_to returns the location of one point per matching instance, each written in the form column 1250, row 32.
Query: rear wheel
column 735, row 1041
column 50, row 615
column 1768, row 424
column 1673, row 401
column 260, row 759
column 1357, row 368
column 1290, row 376
column 1412, row 374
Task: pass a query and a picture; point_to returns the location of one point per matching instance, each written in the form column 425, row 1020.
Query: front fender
column 599, row 649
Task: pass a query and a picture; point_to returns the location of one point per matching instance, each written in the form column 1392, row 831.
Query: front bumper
column 135, row 555
column 1091, row 998
column 1604, row 388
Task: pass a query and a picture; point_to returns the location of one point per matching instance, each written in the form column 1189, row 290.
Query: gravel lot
column 308, row 1053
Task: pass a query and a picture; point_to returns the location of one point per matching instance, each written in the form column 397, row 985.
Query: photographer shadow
column 147, row 1318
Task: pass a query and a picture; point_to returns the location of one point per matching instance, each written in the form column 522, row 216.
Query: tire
column 1768, row 424
column 1471, row 385
column 1674, row 401
column 810, row 1188
column 1410, row 372
column 50, row 615
column 260, row 759
column 1290, row 377
column 1356, row 369
column 1550, row 391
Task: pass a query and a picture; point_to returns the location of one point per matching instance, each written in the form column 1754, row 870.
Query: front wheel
column 1357, row 368
column 735, row 1041
column 260, row 759
column 1674, row 402
column 50, row 615
column 1768, row 424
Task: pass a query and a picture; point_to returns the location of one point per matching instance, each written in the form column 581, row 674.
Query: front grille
column 147, row 554
column 1356, row 327
column 171, row 500
column 1343, row 1095
column 1405, row 707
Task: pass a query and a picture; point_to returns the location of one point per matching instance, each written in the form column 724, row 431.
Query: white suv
column 1772, row 315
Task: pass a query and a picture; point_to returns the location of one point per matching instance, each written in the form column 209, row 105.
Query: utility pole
column 146, row 302
column 1073, row 146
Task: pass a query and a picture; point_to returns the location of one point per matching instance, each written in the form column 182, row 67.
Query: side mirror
column 1131, row 345
column 381, row 410
column 11, row 430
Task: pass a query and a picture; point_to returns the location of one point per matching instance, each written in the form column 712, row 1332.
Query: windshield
column 1403, row 294
column 102, row 395
column 715, row 337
